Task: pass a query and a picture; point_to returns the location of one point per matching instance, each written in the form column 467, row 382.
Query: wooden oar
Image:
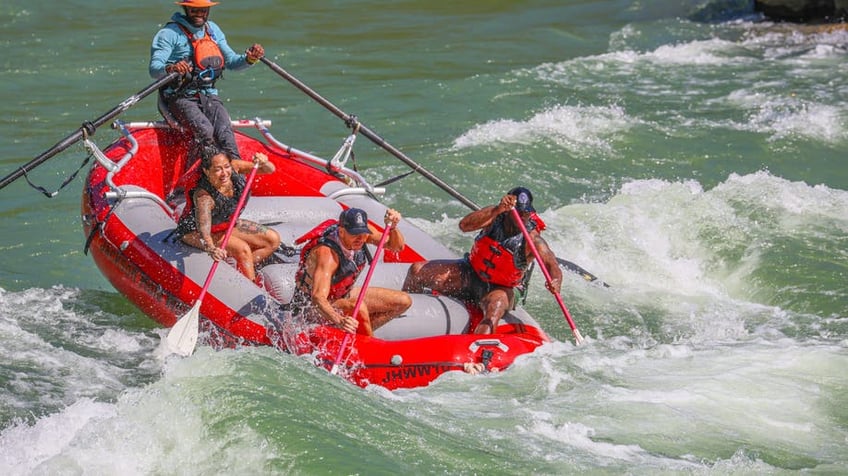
column 182, row 338
column 385, row 236
column 86, row 128
column 397, row 153
column 577, row 337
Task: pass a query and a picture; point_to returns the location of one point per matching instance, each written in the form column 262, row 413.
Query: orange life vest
column 208, row 59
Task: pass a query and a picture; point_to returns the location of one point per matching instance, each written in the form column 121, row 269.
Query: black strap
column 98, row 225
column 524, row 287
column 486, row 359
column 368, row 256
column 394, row 179
column 169, row 235
column 64, row 184
column 90, row 238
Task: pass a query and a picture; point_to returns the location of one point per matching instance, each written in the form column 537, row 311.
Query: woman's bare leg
column 261, row 239
column 240, row 251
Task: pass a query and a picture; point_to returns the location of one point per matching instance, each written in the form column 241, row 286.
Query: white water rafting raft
column 132, row 198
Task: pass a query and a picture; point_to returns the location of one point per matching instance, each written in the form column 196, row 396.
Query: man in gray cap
column 331, row 260
column 497, row 262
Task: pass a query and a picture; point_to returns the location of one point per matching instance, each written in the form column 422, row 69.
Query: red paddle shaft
column 577, row 337
column 361, row 297
column 229, row 232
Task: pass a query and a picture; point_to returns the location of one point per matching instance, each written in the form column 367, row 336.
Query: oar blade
column 182, row 338
column 578, row 339
column 577, row 269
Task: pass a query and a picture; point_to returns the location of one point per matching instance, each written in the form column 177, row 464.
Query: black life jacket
column 223, row 209
column 327, row 234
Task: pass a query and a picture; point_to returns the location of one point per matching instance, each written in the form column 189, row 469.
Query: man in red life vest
column 497, row 261
column 195, row 47
column 330, row 262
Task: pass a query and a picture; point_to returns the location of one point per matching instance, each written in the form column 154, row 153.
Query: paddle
column 577, row 337
column 182, row 338
column 397, row 153
column 88, row 128
column 385, row 236
column 576, row 269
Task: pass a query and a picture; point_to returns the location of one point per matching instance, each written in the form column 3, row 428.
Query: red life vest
column 494, row 264
column 540, row 225
column 345, row 276
column 208, row 59
column 499, row 259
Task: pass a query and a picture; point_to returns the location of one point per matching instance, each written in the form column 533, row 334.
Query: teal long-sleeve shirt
column 170, row 45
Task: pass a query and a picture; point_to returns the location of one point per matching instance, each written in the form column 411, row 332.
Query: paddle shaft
column 361, row 296
column 369, row 134
column 229, row 232
column 548, row 279
column 87, row 128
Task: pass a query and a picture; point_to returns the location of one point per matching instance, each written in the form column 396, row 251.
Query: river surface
column 686, row 152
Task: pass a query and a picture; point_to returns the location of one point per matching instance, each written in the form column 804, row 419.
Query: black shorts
column 473, row 287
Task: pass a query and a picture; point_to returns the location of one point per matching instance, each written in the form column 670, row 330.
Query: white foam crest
column 35, row 303
column 743, row 461
column 779, row 395
column 38, row 332
column 163, row 428
column 119, row 341
column 680, row 259
column 651, row 231
column 589, row 405
column 711, row 52
column 677, row 234
column 580, row 437
column 791, row 203
column 24, row 447
column 824, row 52
column 772, row 107
column 714, row 51
column 799, row 37
column 783, row 116
column 813, row 120
column 770, row 393
column 580, row 129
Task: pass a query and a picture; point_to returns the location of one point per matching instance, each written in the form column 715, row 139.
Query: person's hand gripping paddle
column 385, row 236
column 182, row 338
column 577, row 337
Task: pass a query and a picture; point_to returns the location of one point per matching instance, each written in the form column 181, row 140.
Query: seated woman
column 210, row 205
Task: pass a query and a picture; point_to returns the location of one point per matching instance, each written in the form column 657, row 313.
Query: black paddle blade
column 574, row 268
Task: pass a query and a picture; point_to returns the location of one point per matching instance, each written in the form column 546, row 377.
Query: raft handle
column 488, row 343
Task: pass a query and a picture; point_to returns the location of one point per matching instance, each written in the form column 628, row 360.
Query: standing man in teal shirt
column 196, row 48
